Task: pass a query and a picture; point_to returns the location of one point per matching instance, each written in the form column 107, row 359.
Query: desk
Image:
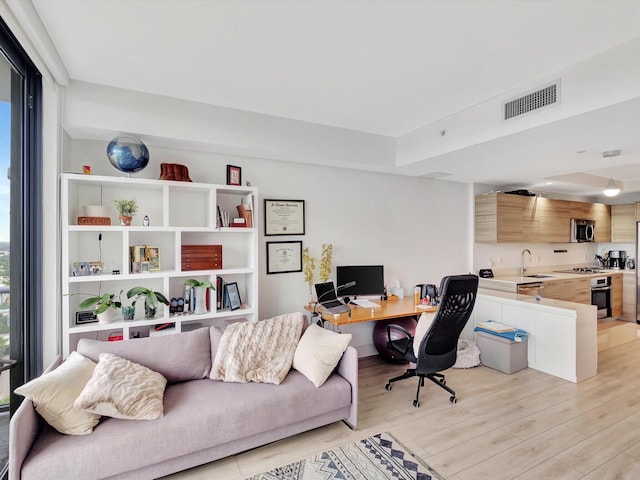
column 401, row 311
column 389, row 309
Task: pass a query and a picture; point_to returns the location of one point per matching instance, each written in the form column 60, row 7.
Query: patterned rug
column 380, row 457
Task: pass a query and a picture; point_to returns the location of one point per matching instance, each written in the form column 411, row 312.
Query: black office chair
column 438, row 348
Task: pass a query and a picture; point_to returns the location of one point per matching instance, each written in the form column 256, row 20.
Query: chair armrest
column 24, row 428
column 348, row 369
column 403, row 331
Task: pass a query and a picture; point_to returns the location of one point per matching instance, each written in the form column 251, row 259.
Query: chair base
column 436, row 378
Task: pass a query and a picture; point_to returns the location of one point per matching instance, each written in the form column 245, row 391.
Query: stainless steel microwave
column 583, row 230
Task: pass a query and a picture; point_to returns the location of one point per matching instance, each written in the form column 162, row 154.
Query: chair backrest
column 438, row 348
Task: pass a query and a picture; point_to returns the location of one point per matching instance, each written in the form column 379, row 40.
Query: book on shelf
column 219, row 284
column 246, row 212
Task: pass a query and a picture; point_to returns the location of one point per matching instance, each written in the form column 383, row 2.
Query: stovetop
column 583, row 270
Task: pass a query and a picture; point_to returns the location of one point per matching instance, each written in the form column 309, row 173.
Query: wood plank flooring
column 525, row 426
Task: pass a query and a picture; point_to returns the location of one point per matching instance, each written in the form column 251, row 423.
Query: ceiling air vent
column 532, row 101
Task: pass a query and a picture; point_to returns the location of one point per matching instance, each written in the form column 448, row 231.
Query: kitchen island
column 562, row 335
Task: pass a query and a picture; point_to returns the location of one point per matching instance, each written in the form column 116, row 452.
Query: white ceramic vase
column 200, row 298
column 107, row 316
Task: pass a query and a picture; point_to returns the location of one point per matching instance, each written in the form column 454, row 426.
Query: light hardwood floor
column 525, row 426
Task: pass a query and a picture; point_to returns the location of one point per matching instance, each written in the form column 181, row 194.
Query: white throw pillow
column 120, row 388
column 424, row 323
column 318, row 353
column 53, row 395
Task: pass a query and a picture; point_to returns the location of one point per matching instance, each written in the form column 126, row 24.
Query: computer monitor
column 369, row 279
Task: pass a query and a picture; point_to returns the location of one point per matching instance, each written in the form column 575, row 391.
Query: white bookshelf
column 181, row 213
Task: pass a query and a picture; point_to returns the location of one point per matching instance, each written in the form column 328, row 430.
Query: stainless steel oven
column 601, row 295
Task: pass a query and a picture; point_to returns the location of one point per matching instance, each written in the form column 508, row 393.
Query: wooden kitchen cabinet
column 576, row 290
column 623, row 223
column 500, row 218
column 508, row 218
column 601, row 213
column 616, row 295
column 629, row 296
column 553, row 220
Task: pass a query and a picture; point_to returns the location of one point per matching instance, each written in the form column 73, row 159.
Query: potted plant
column 151, row 300
column 308, row 267
column 199, row 299
column 104, row 306
column 127, row 209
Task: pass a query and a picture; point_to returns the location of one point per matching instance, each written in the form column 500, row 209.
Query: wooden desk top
column 389, row 309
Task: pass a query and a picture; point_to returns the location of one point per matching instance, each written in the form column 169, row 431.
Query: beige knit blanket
column 258, row 351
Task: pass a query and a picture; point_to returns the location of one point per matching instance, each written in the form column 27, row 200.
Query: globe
column 128, row 154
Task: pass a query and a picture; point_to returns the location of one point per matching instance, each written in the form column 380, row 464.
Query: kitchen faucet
column 522, row 269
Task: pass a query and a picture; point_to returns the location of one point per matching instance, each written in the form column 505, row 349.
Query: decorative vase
column 125, row 221
column 106, row 316
column 200, row 299
column 149, row 312
column 128, row 313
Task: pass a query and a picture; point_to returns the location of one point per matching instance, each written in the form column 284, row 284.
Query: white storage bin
column 501, row 353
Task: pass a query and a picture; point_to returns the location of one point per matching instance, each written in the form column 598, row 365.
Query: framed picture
column 234, row 175
column 284, row 257
column 80, row 269
column 95, row 268
column 233, row 294
column 283, row 217
column 153, row 257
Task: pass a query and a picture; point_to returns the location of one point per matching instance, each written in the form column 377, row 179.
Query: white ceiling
column 383, row 67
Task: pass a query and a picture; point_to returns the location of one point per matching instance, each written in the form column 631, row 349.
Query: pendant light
column 612, row 189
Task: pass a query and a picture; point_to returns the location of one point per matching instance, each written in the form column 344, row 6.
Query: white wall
column 417, row 228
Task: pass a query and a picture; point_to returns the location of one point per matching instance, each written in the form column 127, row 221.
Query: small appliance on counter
column 616, row 262
column 631, row 264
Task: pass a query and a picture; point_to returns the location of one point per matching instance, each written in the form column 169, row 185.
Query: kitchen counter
column 562, row 335
column 510, row 283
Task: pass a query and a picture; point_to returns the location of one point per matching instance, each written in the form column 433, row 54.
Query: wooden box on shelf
column 201, row 257
column 94, row 221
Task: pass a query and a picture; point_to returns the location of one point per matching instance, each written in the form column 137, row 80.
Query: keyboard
column 331, row 303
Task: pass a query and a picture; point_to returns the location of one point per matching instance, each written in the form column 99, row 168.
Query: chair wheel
column 416, row 403
column 388, row 386
column 453, row 399
column 443, row 382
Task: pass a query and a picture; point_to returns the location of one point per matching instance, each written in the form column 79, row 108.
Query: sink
column 539, row 276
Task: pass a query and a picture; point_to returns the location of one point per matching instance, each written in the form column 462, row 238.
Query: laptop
column 326, row 294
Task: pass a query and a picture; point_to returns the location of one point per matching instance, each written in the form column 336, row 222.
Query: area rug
column 380, row 457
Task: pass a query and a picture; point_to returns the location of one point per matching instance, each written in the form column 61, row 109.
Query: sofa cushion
column 120, row 388
column 53, row 395
column 178, row 357
column 318, row 353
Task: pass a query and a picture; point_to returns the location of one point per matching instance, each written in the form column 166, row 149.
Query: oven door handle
column 600, row 289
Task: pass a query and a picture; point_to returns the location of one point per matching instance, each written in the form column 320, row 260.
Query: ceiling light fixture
column 612, row 189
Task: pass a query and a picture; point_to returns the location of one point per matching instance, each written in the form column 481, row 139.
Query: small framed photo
column 233, row 294
column 234, row 175
column 153, row 257
column 284, row 257
column 80, row 269
column 95, row 268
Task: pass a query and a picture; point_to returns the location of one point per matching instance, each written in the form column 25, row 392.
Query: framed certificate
column 284, row 257
column 284, row 217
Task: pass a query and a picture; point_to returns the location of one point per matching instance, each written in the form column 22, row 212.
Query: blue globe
column 128, row 154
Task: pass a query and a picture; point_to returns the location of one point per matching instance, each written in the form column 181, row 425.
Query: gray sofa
column 204, row 420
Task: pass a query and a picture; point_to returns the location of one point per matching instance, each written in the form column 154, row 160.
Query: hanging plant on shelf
column 308, row 268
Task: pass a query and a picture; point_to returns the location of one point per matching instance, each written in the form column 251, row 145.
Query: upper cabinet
column 506, row 218
column 623, row 223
